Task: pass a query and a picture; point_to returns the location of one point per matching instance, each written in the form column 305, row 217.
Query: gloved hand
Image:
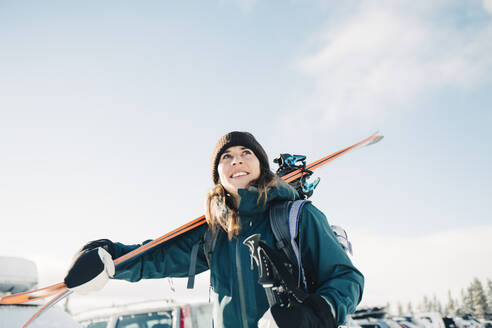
column 92, row 267
column 313, row 313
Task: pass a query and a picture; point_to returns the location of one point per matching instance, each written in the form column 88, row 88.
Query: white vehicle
column 431, row 319
column 149, row 314
column 373, row 323
column 485, row 323
column 408, row 322
column 18, row 275
column 467, row 322
column 352, row 323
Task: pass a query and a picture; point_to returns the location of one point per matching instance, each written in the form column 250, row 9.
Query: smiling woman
column 242, row 204
column 238, row 162
column 238, row 206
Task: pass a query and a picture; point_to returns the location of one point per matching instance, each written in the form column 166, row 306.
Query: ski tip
column 375, row 138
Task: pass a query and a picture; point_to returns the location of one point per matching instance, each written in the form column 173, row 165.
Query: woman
column 237, row 207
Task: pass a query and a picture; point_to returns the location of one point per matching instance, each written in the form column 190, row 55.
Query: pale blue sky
column 109, row 112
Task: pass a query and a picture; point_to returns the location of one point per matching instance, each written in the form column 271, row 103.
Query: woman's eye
column 247, row 152
column 226, row 156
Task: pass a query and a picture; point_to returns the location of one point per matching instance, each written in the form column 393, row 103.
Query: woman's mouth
column 239, row 174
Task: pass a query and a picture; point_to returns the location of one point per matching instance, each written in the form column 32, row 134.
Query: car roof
column 17, row 315
column 131, row 308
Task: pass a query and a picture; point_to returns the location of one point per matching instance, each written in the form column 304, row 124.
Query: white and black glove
column 92, row 267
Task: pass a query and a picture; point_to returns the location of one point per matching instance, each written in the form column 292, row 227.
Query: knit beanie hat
column 237, row 138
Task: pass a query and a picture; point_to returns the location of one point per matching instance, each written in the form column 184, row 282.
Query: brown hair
column 220, row 210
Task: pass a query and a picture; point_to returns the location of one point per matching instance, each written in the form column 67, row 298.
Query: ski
column 54, row 289
column 317, row 164
column 60, row 289
column 33, row 295
column 61, row 294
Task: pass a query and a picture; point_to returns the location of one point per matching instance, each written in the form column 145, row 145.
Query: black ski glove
column 107, row 244
column 313, row 313
column 92, row 266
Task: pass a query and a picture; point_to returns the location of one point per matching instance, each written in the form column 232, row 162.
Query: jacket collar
column 250, row 206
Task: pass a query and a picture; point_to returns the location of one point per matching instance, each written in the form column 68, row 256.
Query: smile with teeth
column 239, row 174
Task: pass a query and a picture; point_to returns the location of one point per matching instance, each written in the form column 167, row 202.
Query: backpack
column 284, row 221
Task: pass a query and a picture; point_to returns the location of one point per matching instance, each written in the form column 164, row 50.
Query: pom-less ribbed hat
column 237, row 138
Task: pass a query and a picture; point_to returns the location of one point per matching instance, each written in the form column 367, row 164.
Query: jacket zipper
column 240, row 285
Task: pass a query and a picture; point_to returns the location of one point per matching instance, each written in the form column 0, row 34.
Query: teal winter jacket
column 239, row 300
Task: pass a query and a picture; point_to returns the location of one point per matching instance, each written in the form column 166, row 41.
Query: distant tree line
column 475, row 300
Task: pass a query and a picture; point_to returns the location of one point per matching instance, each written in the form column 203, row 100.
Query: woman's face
column 238, row 167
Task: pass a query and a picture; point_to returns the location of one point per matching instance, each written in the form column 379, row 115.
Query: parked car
column 371, row 312
column 14, row 316
column 431, row 319
column 374, row 323
column 370, row 318
column 486, row 323
column 467, row 321
column 408, row 322
column 394, row 324
column 149, row 314
column 18, row 275
column 351, row 323
column 449, row 322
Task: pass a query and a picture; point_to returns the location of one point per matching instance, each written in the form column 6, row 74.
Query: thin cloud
column 382, row 56
column 487, row 4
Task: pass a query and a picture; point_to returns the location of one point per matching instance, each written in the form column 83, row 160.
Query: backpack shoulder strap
column 284, row 221
column 208, row 242
column 279, row 222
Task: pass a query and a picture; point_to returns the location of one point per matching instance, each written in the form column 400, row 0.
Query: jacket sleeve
column 169, row 260
column 335, row 277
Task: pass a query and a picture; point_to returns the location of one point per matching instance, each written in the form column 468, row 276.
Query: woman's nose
column 236, row 160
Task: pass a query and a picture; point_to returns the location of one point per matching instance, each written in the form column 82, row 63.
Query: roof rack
column 374, row 312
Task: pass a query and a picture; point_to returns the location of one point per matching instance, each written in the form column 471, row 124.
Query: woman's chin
column 242, row 186
column 233, row 188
